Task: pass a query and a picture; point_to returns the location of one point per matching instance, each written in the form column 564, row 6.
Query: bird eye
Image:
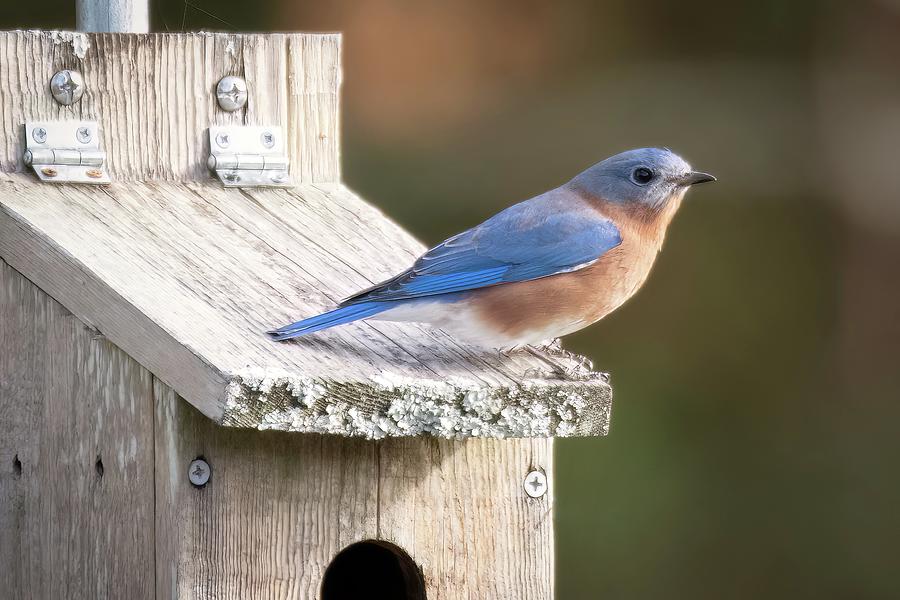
column 642, row 175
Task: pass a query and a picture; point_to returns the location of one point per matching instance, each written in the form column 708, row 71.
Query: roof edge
column 391, row 405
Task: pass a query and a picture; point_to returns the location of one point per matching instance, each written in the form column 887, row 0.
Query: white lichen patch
column 81, row 43
column 393, row 405
column 261, row 383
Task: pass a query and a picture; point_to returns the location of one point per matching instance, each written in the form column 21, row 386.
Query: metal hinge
column 65, row 151
column 249, row 156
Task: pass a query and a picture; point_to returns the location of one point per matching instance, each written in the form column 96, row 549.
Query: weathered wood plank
column 460, row 510
column 23, row 318
column 184, row 277
column 187, row 277
column 314, row 67
column 76, row 416
column 64, row 276
column 154, row 95
column 277, row 509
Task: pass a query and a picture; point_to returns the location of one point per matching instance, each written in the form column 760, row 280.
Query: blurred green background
column 754, row 446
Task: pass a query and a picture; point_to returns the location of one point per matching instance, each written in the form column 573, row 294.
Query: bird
column 540, row 269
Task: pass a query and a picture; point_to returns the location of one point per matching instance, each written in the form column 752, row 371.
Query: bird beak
column 695, row 177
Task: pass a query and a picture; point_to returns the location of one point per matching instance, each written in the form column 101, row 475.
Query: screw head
column 39, row 134
column 223, row 140
column 94, row 173
column 49, row 172
column 199, row 472
column 83, row 134
column 232, row 177
column 28, row 157
column 279, row 178
column 268, row 139
column 535, row 484
column 231, row 92
column 67, row 87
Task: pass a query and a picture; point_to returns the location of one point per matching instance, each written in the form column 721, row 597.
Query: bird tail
column 338, row 316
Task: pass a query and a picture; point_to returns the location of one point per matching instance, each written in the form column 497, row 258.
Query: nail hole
column 17, row 466
column 99, row 467
column 374, row 570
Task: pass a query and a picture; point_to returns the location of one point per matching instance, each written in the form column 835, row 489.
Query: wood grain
column 69, row 401
column 459, row 509
column 277, row 509
column 154, row 96
column 186, row 276
column 168, row 283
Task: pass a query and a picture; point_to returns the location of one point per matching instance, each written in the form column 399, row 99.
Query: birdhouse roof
column 186, row 275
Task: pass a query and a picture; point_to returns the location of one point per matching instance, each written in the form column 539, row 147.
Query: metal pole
column 117, row 16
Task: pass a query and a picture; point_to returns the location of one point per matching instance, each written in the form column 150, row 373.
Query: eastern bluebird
column 540, row 269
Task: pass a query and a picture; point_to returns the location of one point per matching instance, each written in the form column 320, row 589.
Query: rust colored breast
column 560, row 304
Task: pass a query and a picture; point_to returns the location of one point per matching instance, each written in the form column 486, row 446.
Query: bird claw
column 583, row 363
column 579, row 368
column 552, row 345
column 535, row 373
column 575, row 366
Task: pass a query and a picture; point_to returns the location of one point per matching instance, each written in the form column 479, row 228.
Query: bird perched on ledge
column 540, row 269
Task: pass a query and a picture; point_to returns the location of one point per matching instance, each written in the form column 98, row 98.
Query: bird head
column 642, row 179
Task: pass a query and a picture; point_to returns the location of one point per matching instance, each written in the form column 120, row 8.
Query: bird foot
column 575, row 367
column 555, row 348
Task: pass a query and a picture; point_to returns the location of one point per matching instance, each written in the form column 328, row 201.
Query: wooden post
column 373, row 459
column 113, row 16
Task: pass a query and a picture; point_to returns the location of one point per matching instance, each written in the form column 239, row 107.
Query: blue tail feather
column 338, row 316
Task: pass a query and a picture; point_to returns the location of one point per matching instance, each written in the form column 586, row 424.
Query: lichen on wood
column 392, row 405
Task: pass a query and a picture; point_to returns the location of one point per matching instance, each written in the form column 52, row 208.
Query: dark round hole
column 373, row 570
column 17, row 466
column 99, row 467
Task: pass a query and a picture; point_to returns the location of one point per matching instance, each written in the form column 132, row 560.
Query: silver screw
column 535, row 484
column 28, row 157
column 268, row 139
column 83, row 134
column 199, row 472
column 223, row 140
column 231, row 92
column 279, row 178
column 232, row 177
column 67, row 87
column 39, row 134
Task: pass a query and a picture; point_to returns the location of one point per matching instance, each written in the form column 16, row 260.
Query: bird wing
column 526, row 241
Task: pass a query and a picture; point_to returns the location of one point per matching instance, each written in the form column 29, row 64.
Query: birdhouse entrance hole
column 374, row 570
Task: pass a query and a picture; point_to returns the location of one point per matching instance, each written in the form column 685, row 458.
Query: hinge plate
column 249, row 156
column 65, row 151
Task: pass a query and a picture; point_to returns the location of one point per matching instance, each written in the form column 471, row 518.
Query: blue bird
column 540, row 269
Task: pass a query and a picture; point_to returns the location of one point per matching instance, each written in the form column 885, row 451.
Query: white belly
column 462, row 322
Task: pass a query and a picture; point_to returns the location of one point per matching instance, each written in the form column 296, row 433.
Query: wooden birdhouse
column 155, row 221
